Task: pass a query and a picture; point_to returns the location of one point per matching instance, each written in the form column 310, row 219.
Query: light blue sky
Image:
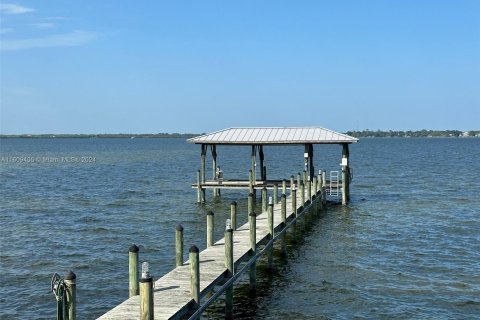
column 196, row 66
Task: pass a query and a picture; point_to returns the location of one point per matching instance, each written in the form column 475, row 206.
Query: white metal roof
column 257, row 136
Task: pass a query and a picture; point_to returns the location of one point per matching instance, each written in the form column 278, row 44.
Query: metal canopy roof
column 265, row 136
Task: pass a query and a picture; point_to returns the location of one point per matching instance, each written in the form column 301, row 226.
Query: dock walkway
column 172, row 298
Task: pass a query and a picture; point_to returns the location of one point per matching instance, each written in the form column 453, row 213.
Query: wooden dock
column 172, row 295
column 192, row 286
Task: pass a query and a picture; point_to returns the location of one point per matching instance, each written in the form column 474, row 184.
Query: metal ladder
column 334, row 185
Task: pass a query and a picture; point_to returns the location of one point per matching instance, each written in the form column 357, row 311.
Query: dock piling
column 283, row 201
column 179, row 245
column 294, row 211
column 264, row 199
column 146, row 293
column 233, row 215
column 309, row 189
column 250, row 203
column 216, row 191
column 252, row 219
column 210, row 225
column 194, row 260
column 133, row 270
column 275, row 193
column 203, row 159
column 254, row 163
column 319, row 180
column 270, row 231
column 250, row 181
column 302, row 193
column 319, row 175
column 199, row 187
column 229, row 265
column 345, row 174
column 294, row 201
column 70, row 281
column 292, row 182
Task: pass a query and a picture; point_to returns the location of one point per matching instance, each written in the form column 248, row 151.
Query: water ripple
column 407, row 246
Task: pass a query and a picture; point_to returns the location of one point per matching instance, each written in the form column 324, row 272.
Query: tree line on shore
column 422, row 133
column 103, row 135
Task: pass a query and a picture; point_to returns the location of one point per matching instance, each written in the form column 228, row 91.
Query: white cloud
column 75, row 38
column 10, row 8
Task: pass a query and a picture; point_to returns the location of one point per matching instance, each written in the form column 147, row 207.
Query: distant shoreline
column 104, row 135
column 414, row 134
column 356, row 134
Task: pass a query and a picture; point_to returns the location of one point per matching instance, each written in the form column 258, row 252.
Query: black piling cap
column 284, row 195
column 251, row 195
column 193, row 249
column 234, row 203
column 133, row 248
column 179, row 227
column 210, row 213
column 70, row 276
column 252, row 214
column 229, row 230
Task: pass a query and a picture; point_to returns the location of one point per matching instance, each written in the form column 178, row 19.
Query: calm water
column 408, row 245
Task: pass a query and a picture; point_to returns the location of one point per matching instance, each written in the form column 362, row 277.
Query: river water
column 406, row 247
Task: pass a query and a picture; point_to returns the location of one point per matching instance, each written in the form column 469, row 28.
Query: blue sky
column 197, row 66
